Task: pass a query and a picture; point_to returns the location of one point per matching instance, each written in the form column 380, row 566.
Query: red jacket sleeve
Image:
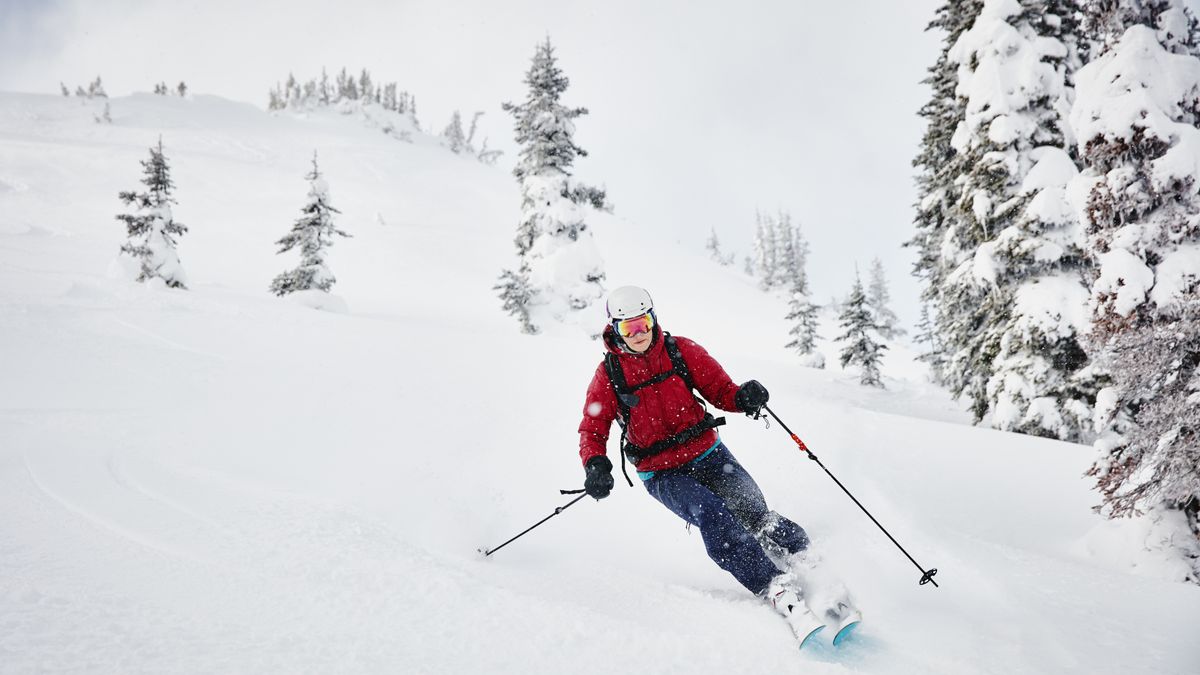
column 599, row 411
column 709, row 377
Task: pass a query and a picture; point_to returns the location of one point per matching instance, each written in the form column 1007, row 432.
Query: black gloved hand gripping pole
column 926, row 575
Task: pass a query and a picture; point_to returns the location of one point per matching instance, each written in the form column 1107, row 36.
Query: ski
column 804, row 624
column 845, row 629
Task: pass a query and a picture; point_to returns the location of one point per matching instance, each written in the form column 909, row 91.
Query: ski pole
column 926, row 575
column 556, row 512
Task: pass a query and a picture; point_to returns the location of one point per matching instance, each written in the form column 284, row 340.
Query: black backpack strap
column 677, row 362
column 625, row 400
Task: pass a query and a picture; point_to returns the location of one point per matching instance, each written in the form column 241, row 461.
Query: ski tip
column 810, row 635
column 845, row 633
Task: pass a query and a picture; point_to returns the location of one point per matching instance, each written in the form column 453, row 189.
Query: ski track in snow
column 221, row 481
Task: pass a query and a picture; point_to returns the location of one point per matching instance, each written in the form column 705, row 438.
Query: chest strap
column 626, row 399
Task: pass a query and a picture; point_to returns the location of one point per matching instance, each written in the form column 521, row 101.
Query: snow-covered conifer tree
column 879, row 300
column 785, row 251
column 558, row 258
column 932, row 347
column 1137, row 116
column 938, row 161
column 153, row 230
column 861, row 348
column 453, row 134
column 796, row 272
column 366, row 88
column 517, row 296
column 713, row 245
column 765, row 255
column 803, row 312
column 1028, row 260
column 940, row 165
column 312, row 233
column 65, row 92
column 96, row 89
column 1001, row 92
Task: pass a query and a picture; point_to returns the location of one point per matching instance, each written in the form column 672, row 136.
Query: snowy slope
column 222, row 481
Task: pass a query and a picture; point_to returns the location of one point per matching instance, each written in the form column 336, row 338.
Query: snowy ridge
column 220, row 481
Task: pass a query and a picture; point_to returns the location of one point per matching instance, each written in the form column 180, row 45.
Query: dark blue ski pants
column 716, row 494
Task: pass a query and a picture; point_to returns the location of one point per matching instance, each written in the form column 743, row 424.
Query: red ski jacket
column 663, row 410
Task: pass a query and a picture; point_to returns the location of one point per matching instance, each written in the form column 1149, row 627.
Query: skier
column 645, row 383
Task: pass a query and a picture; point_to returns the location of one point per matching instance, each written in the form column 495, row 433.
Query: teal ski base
column 845, row 633
column 810, row 635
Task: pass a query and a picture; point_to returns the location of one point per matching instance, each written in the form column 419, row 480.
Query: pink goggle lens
column 635, row 326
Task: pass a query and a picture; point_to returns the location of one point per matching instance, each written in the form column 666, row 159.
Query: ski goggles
column 643, row 323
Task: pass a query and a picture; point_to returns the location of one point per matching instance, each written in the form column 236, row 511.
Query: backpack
column 626, row 399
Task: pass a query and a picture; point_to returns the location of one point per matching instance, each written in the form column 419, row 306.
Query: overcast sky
column 701, row 112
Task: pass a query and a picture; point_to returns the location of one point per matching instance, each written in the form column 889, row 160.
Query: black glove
column 751, row 396
column 599, row 480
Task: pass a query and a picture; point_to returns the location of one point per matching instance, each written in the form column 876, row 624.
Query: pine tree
column 940, row 166
column 938, row 161
column 1001, row 92
column 453, row 134
column 313, row 233
column 366, row 88
column 926, row 336
column 879, row 300
column 153, row 231
column 65, row 92
column 517, row 295
column 96, row 89
column 560, row 265
column 765, row 254
column 713, row 245
column 1031, row 244
column 795, row 273
column 861, row 348
column 804, row 313
column 1137, row 116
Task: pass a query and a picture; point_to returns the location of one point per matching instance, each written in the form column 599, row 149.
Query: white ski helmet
column 627, row 302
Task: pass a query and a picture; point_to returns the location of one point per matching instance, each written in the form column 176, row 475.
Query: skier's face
column 640, row 342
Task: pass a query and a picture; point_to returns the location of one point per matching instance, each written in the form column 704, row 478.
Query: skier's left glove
column 751, row 397
column 599, row 481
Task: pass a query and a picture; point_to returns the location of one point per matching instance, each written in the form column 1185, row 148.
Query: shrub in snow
column 861, row 348
column 312, row 233
column 464, row 143
column 153, row 230
column 1136, row 115
column 560, row 268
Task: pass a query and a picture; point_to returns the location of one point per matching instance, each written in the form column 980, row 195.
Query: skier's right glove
column 599, row 480
column 751, row 397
